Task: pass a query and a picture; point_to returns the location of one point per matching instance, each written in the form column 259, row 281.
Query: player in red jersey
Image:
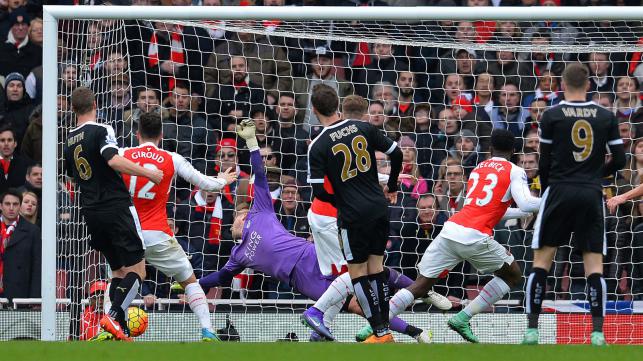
column 161, row 248
column 468, row 235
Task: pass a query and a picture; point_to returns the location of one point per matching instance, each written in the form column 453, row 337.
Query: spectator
column 387, row 94
column 531, row 139
column 31, row 145
column 238, row 192
column 406, row 94
column 454, row 88
column 507, row 69
column 69, row 81
column 627, row 97
column 414, row 186
column 236, row 98
column 12, row 165
column 483, row 91
column 510, row 30
column 269, row 158
column 633, row 174
column 381, row 69
column 509, row 115
column 185, row 132
column 451, row 191
column 542, row 61
column 548, row 90
column 376, row 115
column 293, row 136
column 423, row 139
column 147, row 100
column 628, row 133
column 35, row 32
column 17, row 54
column 536, row 109
column 33, row 184
column 17, row 105
column 90, row 321
column 164, row 54
column 118, row 99
column 291, row 211
column 528, row 160
column 466, row 150
column 30, row 206
column 267, row 64
column 263, row 119
column 599, row 69
column 321, row 70
column 606, row 100
column 20, row 247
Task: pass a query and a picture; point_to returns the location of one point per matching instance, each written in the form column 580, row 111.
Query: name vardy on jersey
column 343, row 132
column 579, row 112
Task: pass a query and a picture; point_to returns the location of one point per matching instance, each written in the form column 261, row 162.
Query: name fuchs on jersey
column 343, row 132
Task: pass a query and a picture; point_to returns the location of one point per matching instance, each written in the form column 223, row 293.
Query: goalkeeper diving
column 263, row 244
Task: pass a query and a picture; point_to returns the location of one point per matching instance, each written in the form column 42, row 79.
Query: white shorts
column 169, row 258
column 326, row 239
column 486, row 255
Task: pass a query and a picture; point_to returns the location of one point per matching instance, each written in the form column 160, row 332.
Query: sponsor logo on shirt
column 253, row 243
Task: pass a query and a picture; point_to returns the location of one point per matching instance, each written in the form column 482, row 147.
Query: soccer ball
column 136, row 321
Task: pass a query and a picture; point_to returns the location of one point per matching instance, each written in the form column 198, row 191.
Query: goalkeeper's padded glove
column 246, row 130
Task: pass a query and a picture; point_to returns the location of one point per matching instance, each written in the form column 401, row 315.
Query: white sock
column 331, row 313
column 199, row 304
column 337, row 292
column 400, row 301
column 492, row 292
column 107, row 303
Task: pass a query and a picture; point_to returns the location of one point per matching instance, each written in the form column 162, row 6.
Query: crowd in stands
column 439, row 104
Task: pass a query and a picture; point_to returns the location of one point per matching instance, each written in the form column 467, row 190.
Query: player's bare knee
column 510, row 273
column 190, row 280
column 421, row 286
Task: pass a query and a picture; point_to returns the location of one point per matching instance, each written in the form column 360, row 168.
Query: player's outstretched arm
column 216, row 279
column 186, row 171
column 262, row 198
column 124, row 165
column 521, row 193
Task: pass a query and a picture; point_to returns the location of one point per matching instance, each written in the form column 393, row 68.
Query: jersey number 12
column 144, row 192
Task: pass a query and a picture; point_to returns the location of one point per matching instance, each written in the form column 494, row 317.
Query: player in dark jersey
column 91, row 158
column 345, row 153
column 574, row 137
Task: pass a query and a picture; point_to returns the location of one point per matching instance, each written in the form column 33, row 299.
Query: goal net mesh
column 438, row 88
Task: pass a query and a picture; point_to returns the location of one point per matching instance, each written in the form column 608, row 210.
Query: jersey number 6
column 362, row 157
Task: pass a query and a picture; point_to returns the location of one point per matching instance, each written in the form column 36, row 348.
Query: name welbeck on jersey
column 579, row 112
column 343, row 132
column 491, row 164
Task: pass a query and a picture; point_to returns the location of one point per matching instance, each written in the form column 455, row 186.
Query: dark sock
column 368, row 301
column 596, row 297
column 412, row 331
column 536, row 290
column 112, row 288
column 124, row 293
column 383, row 294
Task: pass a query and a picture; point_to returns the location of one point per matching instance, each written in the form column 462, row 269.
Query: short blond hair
column 354, row 107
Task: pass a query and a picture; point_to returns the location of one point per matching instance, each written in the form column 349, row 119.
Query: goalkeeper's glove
column 246, row 130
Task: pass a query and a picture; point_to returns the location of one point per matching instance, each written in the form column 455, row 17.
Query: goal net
column 436, row 87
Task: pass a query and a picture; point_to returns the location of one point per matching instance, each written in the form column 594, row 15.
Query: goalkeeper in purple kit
column 266, row 246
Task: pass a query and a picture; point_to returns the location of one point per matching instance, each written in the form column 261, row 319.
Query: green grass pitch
column 285, row 351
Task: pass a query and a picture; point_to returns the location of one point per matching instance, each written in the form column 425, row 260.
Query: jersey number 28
column 362, row 157
column 484, row 195
column 144, row 192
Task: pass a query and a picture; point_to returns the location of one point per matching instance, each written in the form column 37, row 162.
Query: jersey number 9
column 583, row 138
column 82, row 165
column 362, row 157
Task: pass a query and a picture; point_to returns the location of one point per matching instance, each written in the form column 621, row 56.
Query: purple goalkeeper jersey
column 266, row 246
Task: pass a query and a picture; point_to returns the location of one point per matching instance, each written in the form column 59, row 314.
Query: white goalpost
column 426, row 35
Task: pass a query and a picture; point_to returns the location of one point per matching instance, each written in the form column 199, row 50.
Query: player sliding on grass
column 467, row 235
column 266, row 246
